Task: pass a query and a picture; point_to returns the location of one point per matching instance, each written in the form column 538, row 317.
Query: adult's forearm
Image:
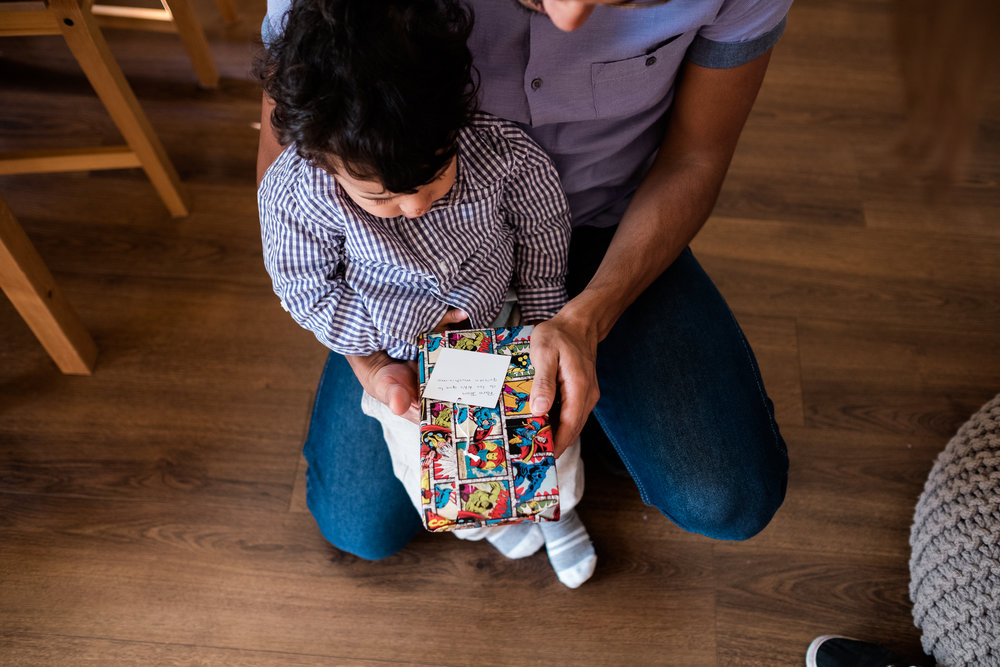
column 678, row 194
column 268, row 148
column 665, row 215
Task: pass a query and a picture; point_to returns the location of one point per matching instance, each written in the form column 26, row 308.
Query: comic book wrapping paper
column 485, row 466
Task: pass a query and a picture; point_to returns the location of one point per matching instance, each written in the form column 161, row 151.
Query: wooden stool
column 80, row 30
column 27, row 282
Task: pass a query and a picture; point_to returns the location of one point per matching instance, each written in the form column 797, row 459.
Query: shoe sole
column 814, row 648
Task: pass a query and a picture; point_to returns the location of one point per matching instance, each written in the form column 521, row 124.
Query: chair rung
column 23, row 6
column 26, row 21
column 77, row 159
column 132, row 12
column 134, row 18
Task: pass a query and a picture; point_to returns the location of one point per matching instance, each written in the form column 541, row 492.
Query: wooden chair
column 27, row 282
column 79, row 28
column 175, row 16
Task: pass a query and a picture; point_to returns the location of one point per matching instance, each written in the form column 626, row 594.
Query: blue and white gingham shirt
column 362, row 283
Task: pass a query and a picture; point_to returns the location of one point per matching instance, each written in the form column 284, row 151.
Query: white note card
column 474, row 378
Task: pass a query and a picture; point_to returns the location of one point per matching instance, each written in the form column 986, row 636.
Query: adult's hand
column 564, row 353
column 392, row 381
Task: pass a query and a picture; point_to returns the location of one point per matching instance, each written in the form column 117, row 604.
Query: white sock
column 517, row 540
column 570, row 550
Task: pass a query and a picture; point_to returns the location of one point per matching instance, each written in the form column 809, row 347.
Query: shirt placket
column 557, row 82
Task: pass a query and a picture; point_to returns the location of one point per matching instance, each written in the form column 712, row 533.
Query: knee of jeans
column 371, row 545
column 721, row 509
column 368, row 540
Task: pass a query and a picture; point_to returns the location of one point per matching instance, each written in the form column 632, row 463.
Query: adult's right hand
column 392, row 381
column 564, row 353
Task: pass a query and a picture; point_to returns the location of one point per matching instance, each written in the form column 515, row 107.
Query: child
column 396, row 201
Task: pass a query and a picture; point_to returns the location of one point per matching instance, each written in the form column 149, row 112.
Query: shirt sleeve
column 742, row 31
column 306, row 263
column 538, row 212
column 274, row 21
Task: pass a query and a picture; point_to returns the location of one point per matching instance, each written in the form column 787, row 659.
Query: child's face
column 373, row 198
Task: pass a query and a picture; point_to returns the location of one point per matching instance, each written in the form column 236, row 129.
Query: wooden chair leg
column 228, row 10
column 27, row 282
column 192, row 35
column 91, row 51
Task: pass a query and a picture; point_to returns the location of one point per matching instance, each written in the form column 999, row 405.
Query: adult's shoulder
column 274, row 21
column 741, row 31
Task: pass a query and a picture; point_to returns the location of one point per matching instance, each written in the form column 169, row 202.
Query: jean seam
column 315, row 409
column 310, row 484
column 642, row 491
column 758, row 380
column 628, row 466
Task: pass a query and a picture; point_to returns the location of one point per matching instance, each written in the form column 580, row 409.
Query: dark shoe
column 837, row 651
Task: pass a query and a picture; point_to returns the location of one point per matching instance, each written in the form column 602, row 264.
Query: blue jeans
column 682, row 402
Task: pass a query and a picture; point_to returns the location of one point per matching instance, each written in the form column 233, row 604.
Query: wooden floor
column 154, row 512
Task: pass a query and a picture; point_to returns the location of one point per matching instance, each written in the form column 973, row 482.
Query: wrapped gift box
column 485, row 466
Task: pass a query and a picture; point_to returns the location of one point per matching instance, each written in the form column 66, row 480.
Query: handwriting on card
column 473, row 378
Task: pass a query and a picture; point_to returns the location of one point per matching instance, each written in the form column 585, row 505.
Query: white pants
column 403, row 438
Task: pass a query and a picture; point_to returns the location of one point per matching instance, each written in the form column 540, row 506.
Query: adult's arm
column 673, row 202
column 268, row 148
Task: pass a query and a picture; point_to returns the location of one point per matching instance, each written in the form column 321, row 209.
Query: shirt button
column 536, row 84
column 650, row 61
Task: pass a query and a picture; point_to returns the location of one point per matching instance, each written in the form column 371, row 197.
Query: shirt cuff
column 722, row 55
column 540, row 303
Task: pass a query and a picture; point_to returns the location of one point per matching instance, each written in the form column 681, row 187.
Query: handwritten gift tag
column 467, row 377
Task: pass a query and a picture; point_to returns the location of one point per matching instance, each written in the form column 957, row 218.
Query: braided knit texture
column 955, row 547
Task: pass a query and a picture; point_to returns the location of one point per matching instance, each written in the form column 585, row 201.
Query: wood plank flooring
column 154, row 513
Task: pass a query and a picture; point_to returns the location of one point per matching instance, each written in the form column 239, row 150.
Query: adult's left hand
column 564, row 354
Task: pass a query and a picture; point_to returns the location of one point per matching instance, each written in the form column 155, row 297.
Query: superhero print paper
column 485, row 466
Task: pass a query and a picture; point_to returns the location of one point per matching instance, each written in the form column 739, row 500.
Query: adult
column 640, row 105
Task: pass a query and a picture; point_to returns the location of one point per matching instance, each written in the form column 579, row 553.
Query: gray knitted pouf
column 955, row 542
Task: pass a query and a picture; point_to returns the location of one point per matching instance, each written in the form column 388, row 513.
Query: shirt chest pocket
column 630, row 86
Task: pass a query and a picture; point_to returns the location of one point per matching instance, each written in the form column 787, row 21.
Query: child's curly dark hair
column 380, row 86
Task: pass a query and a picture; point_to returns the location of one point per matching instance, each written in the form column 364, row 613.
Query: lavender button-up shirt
column 597, row 99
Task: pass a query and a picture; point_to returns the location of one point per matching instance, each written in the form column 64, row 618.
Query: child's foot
column 570, row 550
column 518, row 540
